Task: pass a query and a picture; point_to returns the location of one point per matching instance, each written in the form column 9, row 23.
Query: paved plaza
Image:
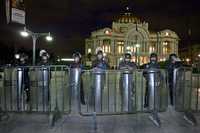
column 172, row 122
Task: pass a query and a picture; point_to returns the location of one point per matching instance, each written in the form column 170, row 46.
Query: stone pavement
column 172, row 122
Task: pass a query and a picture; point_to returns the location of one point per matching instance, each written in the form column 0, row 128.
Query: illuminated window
column 120, row 42
column 188, row 60
column 120, row 49
column 165, row 43
column 151, row 49
column 106, row 48
column 165, row 50
column 106, row 45
column 128, row 47
column 89, row 50
column 133, row 49
column 167, row 34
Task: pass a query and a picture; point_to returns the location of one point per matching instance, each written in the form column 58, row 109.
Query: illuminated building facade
column 130, row 34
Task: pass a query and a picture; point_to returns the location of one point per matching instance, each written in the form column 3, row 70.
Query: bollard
column 127, row 91
column 75, row 75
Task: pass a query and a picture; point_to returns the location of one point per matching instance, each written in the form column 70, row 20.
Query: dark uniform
column 127, row 65
column 172, row 64
column 100, row 63
column 151, row 64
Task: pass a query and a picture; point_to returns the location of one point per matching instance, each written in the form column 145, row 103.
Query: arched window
column 106, row 46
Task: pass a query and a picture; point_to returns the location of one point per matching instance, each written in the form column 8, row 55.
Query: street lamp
column 35, row 36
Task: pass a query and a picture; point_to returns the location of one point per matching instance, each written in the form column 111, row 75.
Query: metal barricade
column 48, row 89
column 182, row 84
column 112, row 99
column 195, row 98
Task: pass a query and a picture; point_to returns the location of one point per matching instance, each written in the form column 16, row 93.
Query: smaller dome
column 127, row 17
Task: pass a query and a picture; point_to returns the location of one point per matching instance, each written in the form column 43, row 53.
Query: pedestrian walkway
column 172, row 122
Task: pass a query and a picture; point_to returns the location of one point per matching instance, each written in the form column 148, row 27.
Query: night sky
column 71, row 21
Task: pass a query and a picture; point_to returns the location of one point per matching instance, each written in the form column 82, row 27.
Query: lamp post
column 35, row 36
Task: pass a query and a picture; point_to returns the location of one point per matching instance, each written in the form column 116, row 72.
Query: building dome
column 127, row 17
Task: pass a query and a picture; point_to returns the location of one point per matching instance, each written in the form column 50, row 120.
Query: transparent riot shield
column 43, row 92
column 182, row 88
column 154, row 81
column 75, row 79
column 20, row 88
column 9, row 90
column 127, row 90
column 154, row 84
column 98, row 86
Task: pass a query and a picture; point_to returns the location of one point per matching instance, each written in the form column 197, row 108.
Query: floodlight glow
column 17, row 56
column 49, row 38
column 24, row 33
column 67, row 59
column 137, row 45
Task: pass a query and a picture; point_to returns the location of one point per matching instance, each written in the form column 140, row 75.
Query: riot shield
column 98, row 86
column 154, row 81
column 75, row 80
column 182, row 88
column 43, row 91
column 127, row 90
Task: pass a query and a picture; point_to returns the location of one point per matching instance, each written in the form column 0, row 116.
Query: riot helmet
column 100, row 55
column 23, row 58
column 77, row 57
column 153, row 58
column 127, row 57
column 172, row 58
column 44, row 56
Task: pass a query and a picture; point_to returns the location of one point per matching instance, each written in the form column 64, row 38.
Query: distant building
column 190, row 53
column 130, row 34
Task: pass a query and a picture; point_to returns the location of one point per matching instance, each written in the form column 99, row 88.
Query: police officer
column 100, row 61
column 99, row 66
column 126, row 82
column 22, row 63
column 44, row 78
column 127, row 63
column 77, row 64
column 152, row 64
column 174, row 62
column 44, row 57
